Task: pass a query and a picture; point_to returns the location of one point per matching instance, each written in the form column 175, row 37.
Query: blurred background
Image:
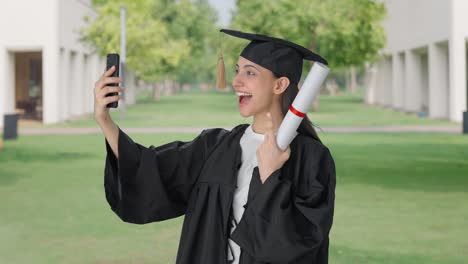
column 393, row 112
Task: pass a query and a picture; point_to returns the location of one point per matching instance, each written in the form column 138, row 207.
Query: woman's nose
column 236, row 81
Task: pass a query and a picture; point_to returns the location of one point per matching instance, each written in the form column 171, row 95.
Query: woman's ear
column 281, row 85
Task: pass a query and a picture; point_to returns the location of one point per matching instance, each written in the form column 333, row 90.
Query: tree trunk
column 186, row 87
column 353, row 80
column 332, row 87
column 348, row 80
column 168, row 87
column 156, row 91
column 370, row 83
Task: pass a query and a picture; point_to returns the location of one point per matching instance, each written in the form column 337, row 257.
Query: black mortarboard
column 280, row 56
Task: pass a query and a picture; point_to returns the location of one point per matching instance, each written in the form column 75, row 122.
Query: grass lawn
column 401, row 198
column 219, row 109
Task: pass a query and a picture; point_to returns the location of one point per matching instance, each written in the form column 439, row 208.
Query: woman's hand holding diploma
column 269, row 156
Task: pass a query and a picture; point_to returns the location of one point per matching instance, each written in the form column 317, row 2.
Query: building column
column 457, row 61
column 95, row 72
column 64, row 94
column 371, row 83
column 88, row 81
column 413, row 88
column 51, row 70
column 51, row 91
column 457, row 58
column 379, row 88
column 7, row 83
column 72, row 85
column 387, row 85
column 84, row 84
column 3, row 82
column 79, row 110
column 438, row 81
column 398, row 81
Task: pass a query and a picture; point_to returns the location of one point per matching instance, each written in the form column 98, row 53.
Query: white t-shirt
column 249, row 144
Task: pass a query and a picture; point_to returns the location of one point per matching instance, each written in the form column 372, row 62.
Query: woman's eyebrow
column 248, row 65
column 251, row 66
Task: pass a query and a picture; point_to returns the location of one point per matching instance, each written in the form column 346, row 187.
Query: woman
column 244, row 199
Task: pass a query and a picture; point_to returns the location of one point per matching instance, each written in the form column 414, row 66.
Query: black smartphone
column 113, row 59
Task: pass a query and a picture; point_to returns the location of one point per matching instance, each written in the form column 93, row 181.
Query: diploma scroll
column 301, row 104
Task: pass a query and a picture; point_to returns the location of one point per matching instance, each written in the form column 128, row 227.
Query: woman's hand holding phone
column 101, row 89
column 101, row 110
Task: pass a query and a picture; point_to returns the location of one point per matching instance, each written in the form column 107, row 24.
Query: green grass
column 400, row 198
column 219, row 109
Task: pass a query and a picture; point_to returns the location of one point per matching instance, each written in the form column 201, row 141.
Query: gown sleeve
column 153, row 184
column 286, row 224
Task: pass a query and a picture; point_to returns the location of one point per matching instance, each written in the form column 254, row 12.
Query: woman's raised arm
column 101, row 112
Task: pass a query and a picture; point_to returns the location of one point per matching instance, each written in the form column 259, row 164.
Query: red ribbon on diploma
column 296, row 112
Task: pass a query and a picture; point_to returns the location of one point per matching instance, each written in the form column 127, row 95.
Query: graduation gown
column 287, row 219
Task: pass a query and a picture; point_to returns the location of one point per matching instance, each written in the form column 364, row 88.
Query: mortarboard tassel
column 221, row 80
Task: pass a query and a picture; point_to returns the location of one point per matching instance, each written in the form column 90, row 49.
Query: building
column 46, row 72
column 423, row 68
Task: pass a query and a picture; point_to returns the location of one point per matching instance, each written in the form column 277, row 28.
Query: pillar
column 413, row 90
column 64, row 84
column 398, row 67
column 438, row 81
column 387, row 85
column 457, row 61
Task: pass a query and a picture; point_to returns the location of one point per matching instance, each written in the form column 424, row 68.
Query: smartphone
column 113, row 59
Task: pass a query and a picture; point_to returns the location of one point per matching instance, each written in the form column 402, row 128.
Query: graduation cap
column 280, row 56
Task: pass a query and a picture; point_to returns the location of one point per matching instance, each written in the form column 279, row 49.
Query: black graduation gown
column 286, row 220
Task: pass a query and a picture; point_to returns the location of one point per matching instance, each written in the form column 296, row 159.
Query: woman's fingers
column 110, row 99
column 109, row 80
column 106, row 79
column 270, row 138
column 110, row 89
column 101, row 90
column 101, row 83
column 269, row 133
column 109, row 72
column 286, row 154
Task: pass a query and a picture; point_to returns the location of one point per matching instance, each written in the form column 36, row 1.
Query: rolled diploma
column 301, row 104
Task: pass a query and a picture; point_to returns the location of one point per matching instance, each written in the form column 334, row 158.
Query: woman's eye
column 250, row 73
column 236, row 71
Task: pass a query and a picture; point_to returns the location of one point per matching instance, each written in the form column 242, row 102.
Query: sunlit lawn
column 219, row 109
column 401, row 198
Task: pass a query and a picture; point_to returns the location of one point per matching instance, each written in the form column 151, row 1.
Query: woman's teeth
column 243, row 94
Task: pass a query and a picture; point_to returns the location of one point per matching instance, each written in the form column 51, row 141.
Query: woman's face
column 254, row 87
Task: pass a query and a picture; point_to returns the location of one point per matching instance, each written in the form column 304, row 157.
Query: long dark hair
column 306, row 127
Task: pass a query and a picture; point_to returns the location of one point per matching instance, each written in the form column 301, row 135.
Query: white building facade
column 46, row 72
column 423, row 68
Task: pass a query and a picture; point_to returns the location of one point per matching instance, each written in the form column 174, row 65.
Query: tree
column 166, row 40
column 150, row 50
column 345, row 32
column 194, row 22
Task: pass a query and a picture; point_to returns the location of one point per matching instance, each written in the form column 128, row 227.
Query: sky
column 223, row 7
